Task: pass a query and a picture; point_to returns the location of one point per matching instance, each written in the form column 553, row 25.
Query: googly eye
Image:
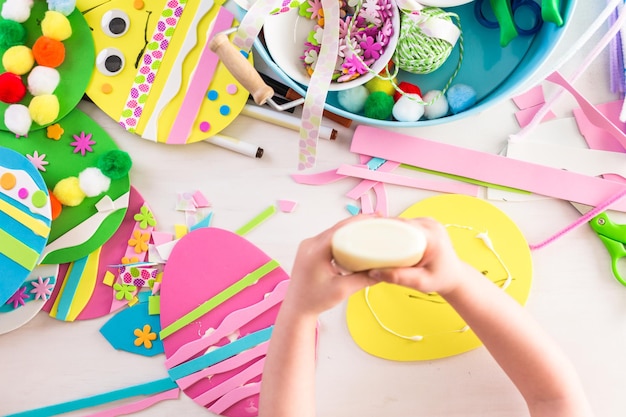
column 110, row 61
column 115, row 23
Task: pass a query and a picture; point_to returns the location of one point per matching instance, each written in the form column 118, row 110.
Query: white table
column 574, row 295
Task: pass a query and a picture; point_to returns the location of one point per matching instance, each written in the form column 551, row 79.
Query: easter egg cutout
column 75, row 70
column 157, row 76
column 25, row 219
column 220, row 295
column 83, row 291
column 38, row 287
column 436, row 330
column 64, row 150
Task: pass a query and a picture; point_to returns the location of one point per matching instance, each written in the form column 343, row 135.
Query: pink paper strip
column 233, row 397
column 366, row 204
column 238, row 380
column 199, row 83
column 319, row 178
column 490, row 168
column 138, row 405
column 231, row 322
column 389, row 178
column 530, row 98
column 525, row 116
column 381, row 199
column 224, row 366
column 365, row 185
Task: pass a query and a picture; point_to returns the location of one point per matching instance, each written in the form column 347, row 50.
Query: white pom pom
column 43, row 80
column 18, row 10
column 353, row 99
column 17, row 119
column 408, row 108
column 93, row 182
column 438, row 108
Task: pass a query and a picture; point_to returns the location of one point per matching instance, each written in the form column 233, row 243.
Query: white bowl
column 285, row 35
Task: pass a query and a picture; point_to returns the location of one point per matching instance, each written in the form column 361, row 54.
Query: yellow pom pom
column 68, row 192
column 44, row 109
column 18, row 59
column 376, row 84
column 56, row 26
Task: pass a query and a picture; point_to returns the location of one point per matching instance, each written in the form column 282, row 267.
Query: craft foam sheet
column 38, row 286
column 80, row 230
column 161, row 68
column 409, row 312
column 203, row 264
column 25, row 218
column 91, row 297
column 76, row 69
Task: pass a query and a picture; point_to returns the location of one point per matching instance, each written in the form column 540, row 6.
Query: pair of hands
column 317, row 285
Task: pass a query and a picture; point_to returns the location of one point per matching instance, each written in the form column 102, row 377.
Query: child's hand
column 440, row 269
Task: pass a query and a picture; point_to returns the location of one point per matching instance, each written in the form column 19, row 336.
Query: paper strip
column 37, row 226
column 226, row 365
column 200, row 81
column 556, row 183
column 238, row 380
column 17, row 251
column 389, row 178
column 525, row 117
column 148, row 388
column 365, row 185
column 260, row 218
column 530, row 98
column 366, row 204
column 222, row 353
column 70, row 284
column 138, row 405
column 231, row 322
column 218, row 299
column 233, row 397
column 319, row 178
column 381, row 199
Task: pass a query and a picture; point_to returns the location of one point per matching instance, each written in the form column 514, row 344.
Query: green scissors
column 613, row 236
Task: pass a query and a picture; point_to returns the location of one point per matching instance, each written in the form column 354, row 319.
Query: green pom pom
column 378, row 105
column 12, row 33
column 115, row 164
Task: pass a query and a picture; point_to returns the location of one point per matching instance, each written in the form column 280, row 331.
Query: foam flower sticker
column 19, row 298
column 132, row 260
column 42, row 288
column 371, row 48
column 145, row 336
column 82, row 143
column 123, row 291
column 139, row 241
column 145, row 218
column 38, row 160
column 54, row 131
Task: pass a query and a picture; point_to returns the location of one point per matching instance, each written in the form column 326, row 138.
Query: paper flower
column 145, row 217
column 42, row 288
column 145, row 336
column 123, row 291
column 139, row 241
column 38, row 160
column 54, row 131
column 82, row 143
column 18, row 299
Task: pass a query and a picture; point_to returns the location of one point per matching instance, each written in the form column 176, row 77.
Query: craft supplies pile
column 406, row 63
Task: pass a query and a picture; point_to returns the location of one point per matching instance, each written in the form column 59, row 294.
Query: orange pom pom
column 48, row 52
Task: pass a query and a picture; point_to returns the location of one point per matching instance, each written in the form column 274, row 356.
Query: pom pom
column 379, row 106
column 353, row 99
column 17, row 119
column 115, row 164
column 49, row 52
column 12, row 89
column 43, row 80
column 18, row 59
column 407, row 88
column 18, row 10
column 56, row 26
column 93, row 182
column 408, row 108
column 378, row 84
column 44, row 109
column 12, row 33
column 65, row 7
column 68, row 192
column 460, row 97
column 437, row 108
